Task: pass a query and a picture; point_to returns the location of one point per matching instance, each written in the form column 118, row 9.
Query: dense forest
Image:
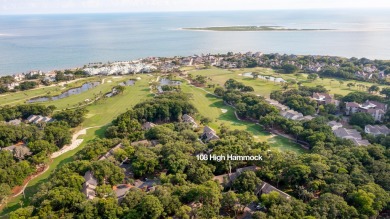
column 34, row 142
column 334, row 180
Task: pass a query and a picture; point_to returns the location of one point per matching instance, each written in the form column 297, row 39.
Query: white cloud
column 77, row 6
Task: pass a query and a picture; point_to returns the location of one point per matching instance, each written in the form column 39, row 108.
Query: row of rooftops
column 369, row 104
column 262, row 188
column 287, row 113
column 39, row 119
column 207, row 135
column 377, row 130
column 35, row 119
column 344, row 133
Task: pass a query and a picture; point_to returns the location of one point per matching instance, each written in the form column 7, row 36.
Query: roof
column 187, row 118
column 266, row 188
column 321, row 96
column 148, row 125
column 352, row 104
column 377, row 105
column 377, row 129
column 291, row 114
column 121, row 190
column 334, row 123
column 14, row 122
column 37, row 118
column 360, row 142
column 379, row 111
column 142, row 142
column 19, row 150
column 347, row 133
column 231, row 177
column 207, row 129
column 90, row 178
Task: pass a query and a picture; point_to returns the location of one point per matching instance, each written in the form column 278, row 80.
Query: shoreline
column 212, row 53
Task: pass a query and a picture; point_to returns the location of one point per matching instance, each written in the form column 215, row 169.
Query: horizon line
column 200, row 11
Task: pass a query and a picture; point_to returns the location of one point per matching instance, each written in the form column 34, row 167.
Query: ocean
column 48, row 42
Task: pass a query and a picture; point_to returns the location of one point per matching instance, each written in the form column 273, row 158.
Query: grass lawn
column 264, row 87
column 22, row 96
column 214, row 108
column 103, row 112
column 34, row 184
column 100, row 114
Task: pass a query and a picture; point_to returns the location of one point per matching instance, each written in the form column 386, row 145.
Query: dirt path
column 75, row 143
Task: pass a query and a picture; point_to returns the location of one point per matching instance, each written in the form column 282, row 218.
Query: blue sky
column 91, row 6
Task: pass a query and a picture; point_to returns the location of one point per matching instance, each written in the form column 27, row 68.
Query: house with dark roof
column 20, row 151
column 377, row 130
column 110, row 152
column 262, row 188
column 265, row 188
column 209, row 134
column 89, row 186
column 121, row 190
column 229, row 178
column 188, row 119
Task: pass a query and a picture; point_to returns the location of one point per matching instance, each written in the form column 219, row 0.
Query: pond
column 65, row 94
column 268, row 78
column 166, row 81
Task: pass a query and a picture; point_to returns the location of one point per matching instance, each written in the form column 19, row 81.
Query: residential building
column 291, row 114
column 376, row 109
column 121, row 190
column 188, row 119
column 351, row 108
column 14, row 122
column 110, row 152
column 265, row 188
column 19, row 77
column 35, row 119
column 335, row 125
column 324, row 98
column 351, row 134
column 89, row 186
column 262, row 188
column 377, row 130
column 209, row 134
column 12, row 85
column 20, row 151
column 276, row 104
column 148, row 125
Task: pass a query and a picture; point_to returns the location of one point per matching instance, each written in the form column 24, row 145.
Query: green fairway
column 214, row 108
column 33, row 185
column 22, row 96
column 100, row 114
column 264, row 87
